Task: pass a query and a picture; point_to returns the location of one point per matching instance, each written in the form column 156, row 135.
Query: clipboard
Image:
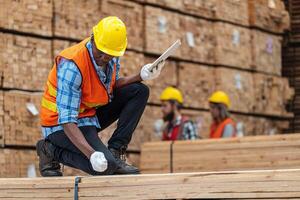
column 166, row 54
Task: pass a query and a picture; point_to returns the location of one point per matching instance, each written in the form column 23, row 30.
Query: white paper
column 32, row 109
column 31, row 172
column 240, row 129
column 190, row 39
column 162, row 24
column 238, row 81
column 236, row 37
column 271, row 4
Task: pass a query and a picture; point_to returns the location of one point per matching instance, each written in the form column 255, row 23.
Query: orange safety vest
column 216, row 130
column 93, row 92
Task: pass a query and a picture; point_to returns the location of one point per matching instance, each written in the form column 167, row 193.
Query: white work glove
column 146, row 74
column 98, row 161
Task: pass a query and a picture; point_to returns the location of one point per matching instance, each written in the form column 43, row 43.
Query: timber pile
column 21, row 118
column 232, row 41
column 31, row 16
column 69, row 25
column 196, row 83
column 25, row 61
column 267, row 184
column 239, row 85
column 256, row 152
column 268, row 15
column 266, row 49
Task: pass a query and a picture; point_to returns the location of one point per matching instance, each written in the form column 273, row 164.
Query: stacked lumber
column 255, row 152
column 202, row 8
column 205, row 185
column 18, row 163
column 25, row 61
column 271, row 94
column 37, row 188
column 266, row 51
column 67, row 23
column 21, row 118
column 232, row 11
column 249, row 125
column 155, row 157
column 196, row 83
column 196, row 34
column 239, row 86
column 269, row 15
column 31, row 16
column 232, row 41
column 59, row 45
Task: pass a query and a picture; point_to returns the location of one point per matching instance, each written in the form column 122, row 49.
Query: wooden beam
column 279, row 184
column 248, row 153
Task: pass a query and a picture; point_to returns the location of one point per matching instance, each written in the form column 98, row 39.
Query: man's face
column 214, row 111
column 166, row 108
column 101, row 58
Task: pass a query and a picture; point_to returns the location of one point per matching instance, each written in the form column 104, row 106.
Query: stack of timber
column 255, row 152
column 266, row 184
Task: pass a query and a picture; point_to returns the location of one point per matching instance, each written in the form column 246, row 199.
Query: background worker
column 223, row 126
column 177, row 126
column 83, row 95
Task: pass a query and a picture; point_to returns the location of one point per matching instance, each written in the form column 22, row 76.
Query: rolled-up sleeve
column 68, row 92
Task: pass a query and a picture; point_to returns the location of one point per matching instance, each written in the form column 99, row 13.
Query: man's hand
column 147, row 74
column 98, row 161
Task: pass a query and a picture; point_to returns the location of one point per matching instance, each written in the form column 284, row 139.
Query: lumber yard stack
column 227, row 45
column 291, row 62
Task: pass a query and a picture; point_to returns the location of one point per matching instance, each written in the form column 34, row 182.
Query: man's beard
column 169, row 117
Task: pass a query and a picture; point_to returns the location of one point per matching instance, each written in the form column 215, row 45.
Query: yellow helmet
column 110, row 36
column 220, row 97
column 171, row 93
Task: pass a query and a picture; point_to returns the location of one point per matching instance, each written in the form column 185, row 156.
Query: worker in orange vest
column 83, row 95
column 222, row 126
column 177, row 126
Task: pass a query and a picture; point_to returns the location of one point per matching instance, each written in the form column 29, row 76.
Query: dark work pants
column 127, row 107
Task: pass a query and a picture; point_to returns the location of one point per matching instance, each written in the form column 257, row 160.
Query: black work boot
column 123, row 167
column 48, row 166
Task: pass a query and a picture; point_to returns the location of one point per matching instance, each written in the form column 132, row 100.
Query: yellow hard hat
column 110, row 36
column 220, row 97
column 171, row 93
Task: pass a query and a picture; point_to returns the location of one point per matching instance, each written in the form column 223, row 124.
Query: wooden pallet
column 279, row 184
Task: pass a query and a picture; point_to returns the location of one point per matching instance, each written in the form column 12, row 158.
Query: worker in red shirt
column 223, row 126
column 176, row 126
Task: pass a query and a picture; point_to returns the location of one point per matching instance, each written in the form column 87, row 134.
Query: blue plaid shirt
column 69, row 92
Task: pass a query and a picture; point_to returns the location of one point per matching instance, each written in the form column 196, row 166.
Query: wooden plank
column 260, row 152
column 229, row 185
column 256, row 152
